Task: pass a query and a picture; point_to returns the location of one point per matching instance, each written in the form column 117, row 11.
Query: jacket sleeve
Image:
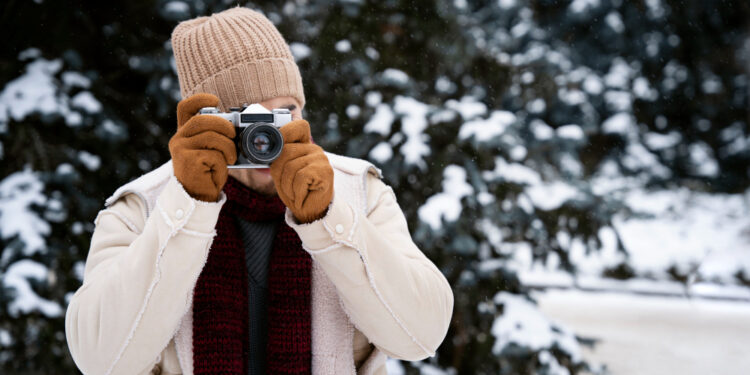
column 391, row 291
column 138, row 281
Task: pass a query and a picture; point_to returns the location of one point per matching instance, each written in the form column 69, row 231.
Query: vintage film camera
column 258, row 139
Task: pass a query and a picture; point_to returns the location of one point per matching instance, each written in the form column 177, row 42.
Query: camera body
column 258, row 139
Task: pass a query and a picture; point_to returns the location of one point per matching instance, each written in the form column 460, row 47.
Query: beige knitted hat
column 237, row 55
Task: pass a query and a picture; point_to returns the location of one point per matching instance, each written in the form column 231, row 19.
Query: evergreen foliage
column 496, row 123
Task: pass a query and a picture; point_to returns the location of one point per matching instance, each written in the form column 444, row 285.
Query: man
column 304, row 267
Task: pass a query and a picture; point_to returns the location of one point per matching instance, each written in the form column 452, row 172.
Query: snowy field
column 649, row 335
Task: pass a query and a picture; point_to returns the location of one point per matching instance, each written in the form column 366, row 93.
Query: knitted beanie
column 237, row 55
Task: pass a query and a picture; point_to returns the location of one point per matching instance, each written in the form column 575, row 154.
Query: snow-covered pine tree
column 506, row 129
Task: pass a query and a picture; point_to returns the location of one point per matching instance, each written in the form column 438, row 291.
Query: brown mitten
column 302, row 174
column 202, row 148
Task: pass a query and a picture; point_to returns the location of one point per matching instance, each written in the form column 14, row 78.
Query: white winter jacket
column 374, row 293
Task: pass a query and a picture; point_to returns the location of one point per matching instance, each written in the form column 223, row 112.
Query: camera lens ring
column 261, row 143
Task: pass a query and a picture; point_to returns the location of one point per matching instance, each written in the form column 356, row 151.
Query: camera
column 258, row 139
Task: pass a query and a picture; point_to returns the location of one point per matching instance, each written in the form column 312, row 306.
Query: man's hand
column 302, row 174
column 202, row 148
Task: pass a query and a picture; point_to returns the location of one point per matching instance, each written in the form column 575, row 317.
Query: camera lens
column 261, row 143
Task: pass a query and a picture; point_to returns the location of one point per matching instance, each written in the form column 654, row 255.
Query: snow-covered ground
column 705, row 237
column 647, row 335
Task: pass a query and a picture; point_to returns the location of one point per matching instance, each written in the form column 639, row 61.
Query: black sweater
column 258, row 239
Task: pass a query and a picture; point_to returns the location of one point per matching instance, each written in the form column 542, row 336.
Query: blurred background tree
column 508, row 130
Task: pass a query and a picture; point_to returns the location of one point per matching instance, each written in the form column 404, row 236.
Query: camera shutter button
column 179, row 214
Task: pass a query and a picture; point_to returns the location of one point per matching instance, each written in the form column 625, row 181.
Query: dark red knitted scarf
column 220, row 315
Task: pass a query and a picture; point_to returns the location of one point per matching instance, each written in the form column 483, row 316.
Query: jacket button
column 179, row 214
column 339, row 228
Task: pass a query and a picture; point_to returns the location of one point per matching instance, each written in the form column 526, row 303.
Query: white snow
column 352, row 110
column 571, row 97
column 513, row 172
column 35, row 91
column 702, row 158
column 64, row 169
column 649, row 335
column 372, row 53
column 619, row 74
column 381, row 153
column 618, row 100
column 26, row 300
column 527, row 78
column 520, row 29
column 643, row 90
column 543, row 195
column 428, row 369
column 446, row 204
column 112, row 128
column 594, row 262
column 655, row 9
column 638, row 157
column 343, row 46
column 5, row 338
column 572, row 132
column 18, row 193
column 78, row 269
column 518, row 152
column 373, row 98
column 658, row 141
column 75, row 79
column 87, row 102
column 29, row 53
column 621, row 123
column 506, row 4
column 551, row 195
column 394, row 367
column 487, row 129
column 300, row 51
column 176, row 7
column 541, row 130
column 614, row 21
column 707, row 233
column 736, row 146
column 413, row 124
column 89, row 160
column 469, row 107
column 523, row 324
column 570, row 164
column 493, row 233
column 381, row 121
column 444, row 85
column 442, row 115
column 485, row 198
column 395, row 76
column 413, row 116
column 712, row 85
column 537, row 105
column 593, row 85
column 582, row 6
